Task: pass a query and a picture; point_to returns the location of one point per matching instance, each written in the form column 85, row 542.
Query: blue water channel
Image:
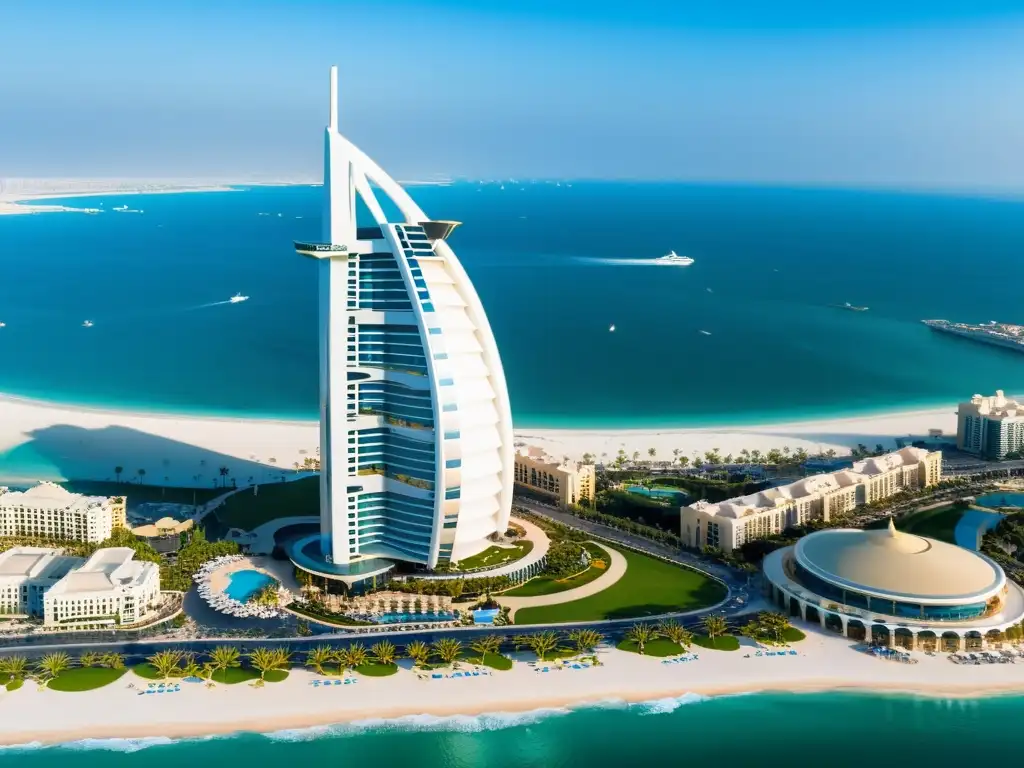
column 244, row 585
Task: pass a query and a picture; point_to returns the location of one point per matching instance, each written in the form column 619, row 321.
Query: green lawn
column 938, row 523
column 274, row 500
column 648, row 587
column 659, row 647
column 146, row 671
column 722, row 643
column 492, row 660
column 275, row 676
column 85, row 678
column 374, row 669
column 495, row 556
column 793, row 635
column 549, row 585
column 15, row 684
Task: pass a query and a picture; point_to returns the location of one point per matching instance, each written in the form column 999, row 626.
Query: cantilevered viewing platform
column 319, row 250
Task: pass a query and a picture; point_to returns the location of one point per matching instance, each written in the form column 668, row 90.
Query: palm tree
column 14, row 666
column 166, row 662
column 353, row 656
column 714, row 626
column 113, row 660
column 652, row 452
column 90, row 659
column 448, row 649
column 543, row 643
column 224, row 471
column 489, row 644
column 675, row 633
column 641, row 634
column 521, row 641
column 419, row 652
column 117, row 473
column 318, row 657
column 191, row 667
column 224, row 657
column 52, row 664
column 268, row 659
column 586, row 640
column 142, row 476
column 384, row 652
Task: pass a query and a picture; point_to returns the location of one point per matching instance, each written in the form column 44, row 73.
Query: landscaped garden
column 84, row 678
column 648, row 587
column 245, row 510
column 496, row 556
column 546, row 584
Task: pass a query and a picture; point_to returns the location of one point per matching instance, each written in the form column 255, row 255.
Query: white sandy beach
column 823, row 663
column 41, row 440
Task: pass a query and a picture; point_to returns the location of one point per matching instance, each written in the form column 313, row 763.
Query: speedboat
column 611, row 329
column 675, row 259
column 237, row 298
column 3, row 325
column 705, row 333
column 88, row 324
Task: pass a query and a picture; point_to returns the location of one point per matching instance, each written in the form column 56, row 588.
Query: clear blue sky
column 896, row 93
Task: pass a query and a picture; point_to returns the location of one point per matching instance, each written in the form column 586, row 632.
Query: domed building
column 895, row 588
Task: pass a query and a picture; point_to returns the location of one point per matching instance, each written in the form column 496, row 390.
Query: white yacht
column 705, row 333
column 611, row 329
column 675, row 259
column 88, row 324
column 238, row 298
column 3, row 325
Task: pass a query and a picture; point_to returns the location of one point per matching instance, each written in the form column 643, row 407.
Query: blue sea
column 555, row 267
column 836, row 730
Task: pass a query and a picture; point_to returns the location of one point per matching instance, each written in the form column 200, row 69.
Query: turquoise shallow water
column 555, row 266
column 793, row 730
column 243, row 585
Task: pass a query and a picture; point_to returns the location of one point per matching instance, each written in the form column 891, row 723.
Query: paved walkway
column 616, row 570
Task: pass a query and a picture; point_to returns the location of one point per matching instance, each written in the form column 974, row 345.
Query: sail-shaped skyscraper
column 416, row 450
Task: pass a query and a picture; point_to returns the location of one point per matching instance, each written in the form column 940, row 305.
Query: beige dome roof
column 897, row 565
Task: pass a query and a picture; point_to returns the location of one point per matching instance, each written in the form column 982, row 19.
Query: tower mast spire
column 332, row 119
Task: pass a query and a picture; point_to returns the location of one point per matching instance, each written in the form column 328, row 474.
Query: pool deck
column 280, row 570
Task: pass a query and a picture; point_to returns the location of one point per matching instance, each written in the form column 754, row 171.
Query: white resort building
column 107, row 590
column 894, row 588
column 49, row 511
column 729, row 524
column 990, row 427
column 416, row 446
column 566, row 482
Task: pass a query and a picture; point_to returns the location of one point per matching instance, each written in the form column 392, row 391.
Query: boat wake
column 594, row 260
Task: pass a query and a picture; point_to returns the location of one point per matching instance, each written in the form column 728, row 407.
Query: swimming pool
column 408, row 618
column 672, row 494
column 243, row 585
column 1001, row 499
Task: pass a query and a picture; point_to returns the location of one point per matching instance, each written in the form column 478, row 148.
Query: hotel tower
column 416, row 449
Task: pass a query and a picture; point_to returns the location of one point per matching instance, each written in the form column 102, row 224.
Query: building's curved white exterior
column 416, row 448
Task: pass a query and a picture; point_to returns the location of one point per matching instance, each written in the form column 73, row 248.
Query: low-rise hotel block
column 730, row 524
column 567, row 482
column 107, row 590
column 990, row 427
column 51, row 512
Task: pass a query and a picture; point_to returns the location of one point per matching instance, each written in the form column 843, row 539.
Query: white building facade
column 567, row 482
column 730, row 524
column 416, row 429
column 990, row 427
column 49, row 511
column 107, row 590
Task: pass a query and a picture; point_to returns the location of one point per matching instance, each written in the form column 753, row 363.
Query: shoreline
column 20, row 203
column 824, row 664
column 57, row 441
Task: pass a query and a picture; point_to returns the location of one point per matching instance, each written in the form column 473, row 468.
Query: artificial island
column 426, row 544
